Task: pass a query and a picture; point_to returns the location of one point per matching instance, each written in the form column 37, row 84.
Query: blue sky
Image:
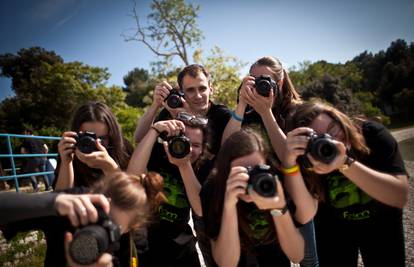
column 294, row 30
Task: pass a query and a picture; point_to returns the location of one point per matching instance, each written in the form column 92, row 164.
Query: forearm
column 290, row 239
column 234, row 125
column 66, row 176
column 25, row 206
column 192, row 187
column 386, row 188
column 139, row 159
column 306, row 205
column 145, row 122
column 226, row 249
column 276, row 135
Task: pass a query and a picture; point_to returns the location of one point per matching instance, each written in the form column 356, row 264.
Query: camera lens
column 174, row 101
column 86, row 144
column 88, row 244
column 179, row 146
column 262, row 180
column 322, row 148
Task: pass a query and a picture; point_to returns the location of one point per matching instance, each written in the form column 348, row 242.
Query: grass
column 24, row 254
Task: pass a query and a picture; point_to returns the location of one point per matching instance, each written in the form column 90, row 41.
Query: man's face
column 197, row 92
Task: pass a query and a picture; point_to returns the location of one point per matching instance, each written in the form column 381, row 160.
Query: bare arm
column 66, row 148
column 139, row 159
column 386, row 188
column 145, row 122
column 389, row 189
column 290, row 239
column 226, row 249
column 234, row 125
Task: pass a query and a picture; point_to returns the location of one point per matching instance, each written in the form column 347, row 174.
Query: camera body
column 86, row 142
column 91, row 241
column 264, row 83
column 173, row 100
column 322, row 147
column 178, row 146
column 263, row 180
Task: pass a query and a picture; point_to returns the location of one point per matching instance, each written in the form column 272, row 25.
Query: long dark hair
column 239, row 144
column 304, row 116
column 118, row 147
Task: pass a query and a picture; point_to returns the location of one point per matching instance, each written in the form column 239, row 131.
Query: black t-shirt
column 344, row 199
column 173, row 216
column 33, row 146
column 218, row 117
column 260, row 245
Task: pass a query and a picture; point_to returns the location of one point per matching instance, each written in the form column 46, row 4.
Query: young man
column 194, row 82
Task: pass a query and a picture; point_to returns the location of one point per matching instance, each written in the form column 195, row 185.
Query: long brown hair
column 142, row 194
column 239, row 144
column 290, row 97
column 304, row 116
column 118, row 148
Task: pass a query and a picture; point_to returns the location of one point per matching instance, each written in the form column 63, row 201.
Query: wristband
column 235, row 117
column 155, row 129
column 291, row 170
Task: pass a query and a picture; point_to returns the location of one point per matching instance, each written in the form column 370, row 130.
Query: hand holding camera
column 256, row 99
column 66, row 146
column 91, row 152
column 90, row 242
column 161, row 92
column 172, row 132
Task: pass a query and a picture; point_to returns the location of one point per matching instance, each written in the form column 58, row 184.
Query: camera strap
column 133, row 261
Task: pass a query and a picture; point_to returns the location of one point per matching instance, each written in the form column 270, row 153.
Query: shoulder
column 163, row 115
column 218, row 109
column 375, row 133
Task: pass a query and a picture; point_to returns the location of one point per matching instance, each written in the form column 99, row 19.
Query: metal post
column 16, row 181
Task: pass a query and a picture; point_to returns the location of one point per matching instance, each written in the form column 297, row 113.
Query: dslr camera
column 262, row 180
column 86, row 142
column 178, row 146
column 91, row 241
column 322, row 148
column 173, row 100
column 264, row 83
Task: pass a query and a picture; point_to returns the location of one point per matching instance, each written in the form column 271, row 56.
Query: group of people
column 257, row 194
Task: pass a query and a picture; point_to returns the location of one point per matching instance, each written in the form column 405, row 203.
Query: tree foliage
column 47, row 90
column 171, row 29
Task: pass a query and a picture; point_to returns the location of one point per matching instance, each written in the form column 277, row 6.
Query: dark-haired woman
column 247, row 229
column 268, row 115
column 362, row 189
column 112, row 149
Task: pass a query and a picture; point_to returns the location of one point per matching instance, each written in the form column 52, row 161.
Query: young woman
column 132, row 200
column 268, row 116
column 244, row 227
column 112, row 149
column 170, row 234
column 363, row 189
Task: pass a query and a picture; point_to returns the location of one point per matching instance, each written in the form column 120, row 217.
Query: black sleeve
column 384, row 152
column 218, row 117
column 21, row 206
column 163, row 115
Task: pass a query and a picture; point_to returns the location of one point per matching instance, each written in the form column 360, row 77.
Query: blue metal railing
column 11, row 156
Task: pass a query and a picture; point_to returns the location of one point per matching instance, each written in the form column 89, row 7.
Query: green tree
column 225, row 73
column 138, row 84
column 171, row 29
column 48, row 90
